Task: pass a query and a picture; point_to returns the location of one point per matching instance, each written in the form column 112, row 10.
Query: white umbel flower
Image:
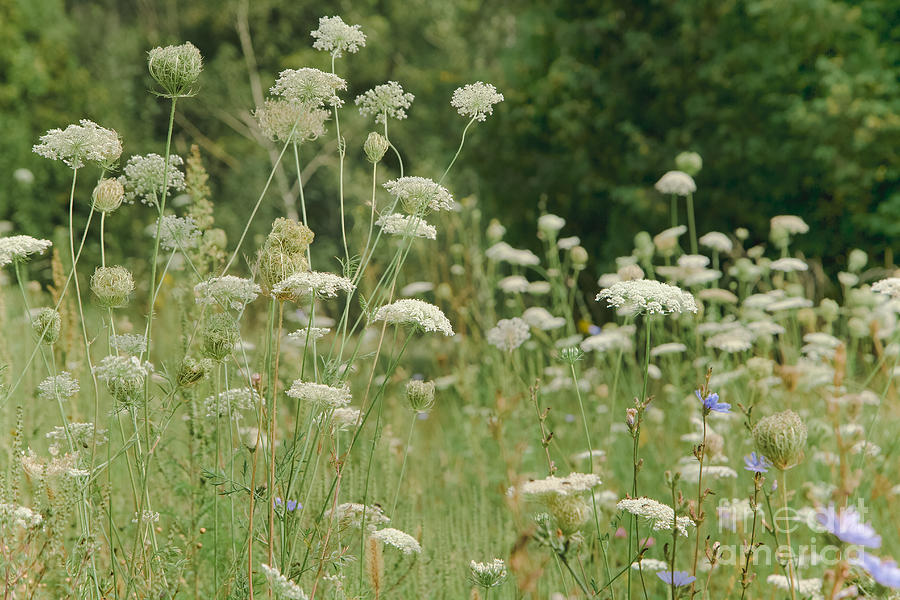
column 788, row 224
column 284, row 120
column 230, row 402
column 19, row 516
column 77, row 144
column 144, row 177
column 573, row 483
column 323, row 396
column 322, row 285
column 336, row 37
column 788, row 265
column 352, row 515
column 889, row 286
column 129, row 343
column 419, row 195
column 417, row 313
column 397, row 224
column 62, row 386
column 281, row 585
column 513, row 284
column 385, row 101
column 811, row 588
column 400, row 540
column 661, row 516
column 20, row 247
column 503, row 252
column 489, row 574
column 540, row 318
column 646, row 296
column 717, row 241
column 476, row 100
column 309, row 86
column 676, row 182
column 178, row 233
column 508, row 334
column 550, row 223
column 227, row 291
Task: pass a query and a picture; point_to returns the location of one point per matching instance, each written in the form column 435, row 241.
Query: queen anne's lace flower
column 352, row 515
column 806, row 588
column 124, row 375
column 508, row 334
column 503, row 252
column 129, row 343
column 678, row 183
column 227, row 291
column 309, row 86
column 63, row 386
column 335, row 36
column 387, row 100
column 788, row 265
column 788, row 224
column 489, row 574
column 285, row 121
column 82, row 435
column 323, row 396
column 417, row 313
column 419, row 195
column 646, row 296
column 178, row 233
column 145, row 176
column 476, row 100
column 281, row 585
column 323, row 285
column 20, row 247
column 314, row 333
column 400, row 540
column 19, row 516
column 661, row 516
column 573, row 483
column 398, row 224
column 889, row 286
column 717, row 241
column 77, row 144
column 345, row 418
column 540, row 318
column 230, row 402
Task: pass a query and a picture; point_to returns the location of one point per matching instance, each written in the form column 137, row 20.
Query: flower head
column 385, row 101
column 717, row 241
column 711, row 403
column 847, row 527
column 756, row 463
column 144, row 177
column 227, row 291
column 416, row 313
column 509, row 334
column 335, row 36
column 884, row 571
column 62, row 386
column 676, row 578
column 320, row 284
column 287, row 121
column 476, row 100
column 322, row 396
column 176, row 69
column 646, row 296
column 289, row 506
column 309, row 86
column 678, row 183
column 281, row 585
column 398, row 224
column 420, row 195
column 689, row 162
column 487, row 575
column 661, row 516
column 781, row 438
column 178, row 233
column 112, row 286
column 400, row 540
column 20, row 247
column 889, row 286
column 78, row 144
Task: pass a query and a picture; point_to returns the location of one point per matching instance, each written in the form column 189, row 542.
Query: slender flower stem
column 272, row 433
column 403, row 465
column 787, row 533
column 341, row 152
column 691, row 226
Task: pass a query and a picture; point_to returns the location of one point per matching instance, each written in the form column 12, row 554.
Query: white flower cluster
column 144, row 177
column 647, row 296
column 281, row 585
column 227, row 291
column 513, row 284
column 123, row 368
column 305, row 283
column 309, row 86
column 489, row 574
column 717, row 241
column 345, row 418
column 352, row 514
column 612, row 338
column 678, row 183
column 476, row 100
column 19, row 516
column 230, row 401
column 416, row 313
column 661, row 516
column 130, row 343
column 419, row 195
column 82, row 435
column 178, row 233
column 690, row 472
column 550, row 223
column 77, row 144
column 19, row 247
column 811, row 588
column 503, row 252
column 889, row 286
column 787, row 224
column 385, row 101
column 285, row 121
column 540, row 318
column 336, row 37
column 734, row 340
column 323, row 396
column 397, row 224
column 573, row 483
column 400, row 540
column 508, row 334
column 788, row 265
column 314, row 333
column 63, row 386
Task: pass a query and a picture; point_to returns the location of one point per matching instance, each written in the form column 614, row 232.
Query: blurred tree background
column 793, row 104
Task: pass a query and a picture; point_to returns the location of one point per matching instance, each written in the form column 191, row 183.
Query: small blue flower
column 679, row 578
column 846, row 526
column 291, row 505
column 711, row 403
column 593, row 329
column 884, row 572
column 570, row 418
column 757, row 463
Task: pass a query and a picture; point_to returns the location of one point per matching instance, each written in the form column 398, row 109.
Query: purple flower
column 884, row 572
column 757, row 463
column 711, row 403
column 593, row 329
column 679, row 578
column 847, row 527
column 291, row 505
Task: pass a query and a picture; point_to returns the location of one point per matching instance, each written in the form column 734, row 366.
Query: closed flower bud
column 112, row 286
column 781, row 438
column 579, row 257
column 289, row 236
column 191, row 372
column 108, row 195
column 689, row 162
column 220, row 334
column 275, row 266
column 176, row 69
column 570, row 512
column 375, row 147
column 420, row 395
column 46, row 324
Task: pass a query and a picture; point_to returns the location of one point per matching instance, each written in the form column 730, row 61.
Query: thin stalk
column 691, row 226
column 787, row 533
column 403, row 465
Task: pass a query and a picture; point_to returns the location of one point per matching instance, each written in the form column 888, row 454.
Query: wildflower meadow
column 415, row 406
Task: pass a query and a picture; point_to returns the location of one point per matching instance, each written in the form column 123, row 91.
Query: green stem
column 403, row 465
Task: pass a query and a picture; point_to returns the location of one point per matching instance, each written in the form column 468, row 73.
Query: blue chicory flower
column 711, row 403
column 846, row 526
column 679, row 578
column 757, row 463
column 884, row 572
